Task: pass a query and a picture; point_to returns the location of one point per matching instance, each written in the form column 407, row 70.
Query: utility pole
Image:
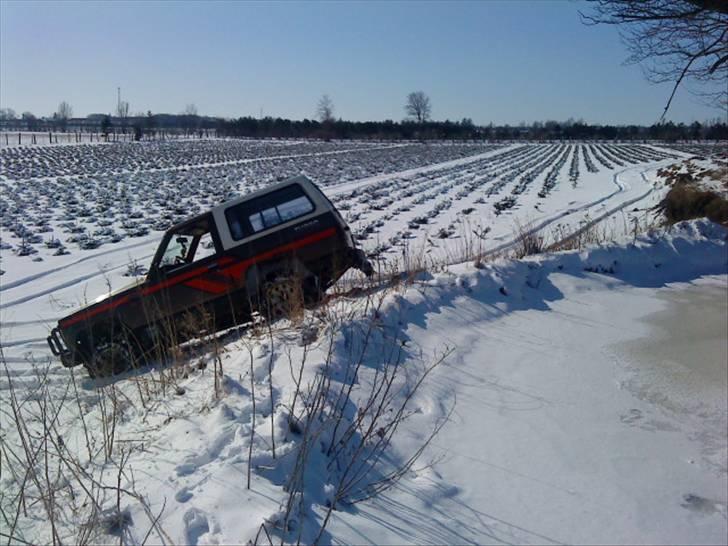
column 118, row 99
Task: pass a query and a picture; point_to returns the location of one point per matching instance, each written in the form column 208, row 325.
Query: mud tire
column 110, row 358
column 282, row 298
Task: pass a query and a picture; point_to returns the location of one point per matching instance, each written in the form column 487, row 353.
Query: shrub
column 683, row 202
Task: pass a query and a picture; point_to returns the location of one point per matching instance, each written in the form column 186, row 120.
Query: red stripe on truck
column 93, row 311
column 237, row 270
column 234, row 271
column 209, row 286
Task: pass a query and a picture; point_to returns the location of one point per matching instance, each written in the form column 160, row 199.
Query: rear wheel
column 282, row 297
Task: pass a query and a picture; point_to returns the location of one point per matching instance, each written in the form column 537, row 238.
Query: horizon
column 527, row 124
column 531, row 64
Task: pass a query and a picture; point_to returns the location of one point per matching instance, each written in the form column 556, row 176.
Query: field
column 79, row 220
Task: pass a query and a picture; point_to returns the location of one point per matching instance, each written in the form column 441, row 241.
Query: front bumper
column 59, row 348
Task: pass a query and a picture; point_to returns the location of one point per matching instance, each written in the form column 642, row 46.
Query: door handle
column 213, row 266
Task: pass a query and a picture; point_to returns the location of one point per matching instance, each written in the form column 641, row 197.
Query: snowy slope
column 559, row 434
column 549, row 434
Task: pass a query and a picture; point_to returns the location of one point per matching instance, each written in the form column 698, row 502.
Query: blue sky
column 504, row 62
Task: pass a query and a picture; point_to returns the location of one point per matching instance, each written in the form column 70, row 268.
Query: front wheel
column 110, row 358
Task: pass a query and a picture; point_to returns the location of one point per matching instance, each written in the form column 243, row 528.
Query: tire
column 282, row 298
column 109, row 358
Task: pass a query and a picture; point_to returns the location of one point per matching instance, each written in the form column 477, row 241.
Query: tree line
column 270, row 127
column 418, row 125
column 465, row 129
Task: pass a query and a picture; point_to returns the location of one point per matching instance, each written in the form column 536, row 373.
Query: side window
column 267, row 211
column 188, row 246
column 256, row 222
column 294, row 208
column 270, row 217
column 205, row 248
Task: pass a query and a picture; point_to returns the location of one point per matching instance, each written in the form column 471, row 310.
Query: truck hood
column 108, row 295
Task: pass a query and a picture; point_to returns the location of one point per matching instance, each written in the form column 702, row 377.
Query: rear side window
column 267, row 211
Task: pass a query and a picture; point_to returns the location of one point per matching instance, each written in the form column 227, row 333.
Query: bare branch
column 673, row 40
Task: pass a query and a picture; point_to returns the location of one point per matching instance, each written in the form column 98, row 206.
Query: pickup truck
column 257, row 253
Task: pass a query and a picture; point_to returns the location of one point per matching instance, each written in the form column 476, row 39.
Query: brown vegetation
column 687, row 199
column 684, row 202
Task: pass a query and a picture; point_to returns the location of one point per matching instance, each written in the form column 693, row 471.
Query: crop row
column 22, row 163
column 92, row 210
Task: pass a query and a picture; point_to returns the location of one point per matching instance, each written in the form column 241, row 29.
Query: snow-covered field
column 552, row 430
column 77, row 220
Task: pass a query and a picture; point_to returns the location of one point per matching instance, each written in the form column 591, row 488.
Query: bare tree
column 325, row 109
column 64, row 113
column 190, row 117
column 418, row 106
column 7, row 114
column 30, row 120
column 672, row 40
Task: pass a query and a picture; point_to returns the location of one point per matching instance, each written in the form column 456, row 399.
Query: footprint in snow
column 185, row 469
column 183, row 495
column 701, row 505
column 196, row 525
column 631, row 416
column 218, row 447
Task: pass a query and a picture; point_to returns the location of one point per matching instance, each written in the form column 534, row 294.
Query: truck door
column 184, row 277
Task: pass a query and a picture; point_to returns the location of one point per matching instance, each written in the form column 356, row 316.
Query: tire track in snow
column 61, row 286
column 621, row 189
column 41, row 274
column 333, row 190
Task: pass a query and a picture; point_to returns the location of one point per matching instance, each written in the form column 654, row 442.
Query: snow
column 550, row 442
column 561, row 420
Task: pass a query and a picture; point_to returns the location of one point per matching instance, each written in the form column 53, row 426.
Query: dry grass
column 588, row 233
column 528, row 241
column 685, row 202
column 687, row 199
column 37, row 460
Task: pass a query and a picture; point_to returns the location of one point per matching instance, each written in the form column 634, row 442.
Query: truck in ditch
column 261, row 253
